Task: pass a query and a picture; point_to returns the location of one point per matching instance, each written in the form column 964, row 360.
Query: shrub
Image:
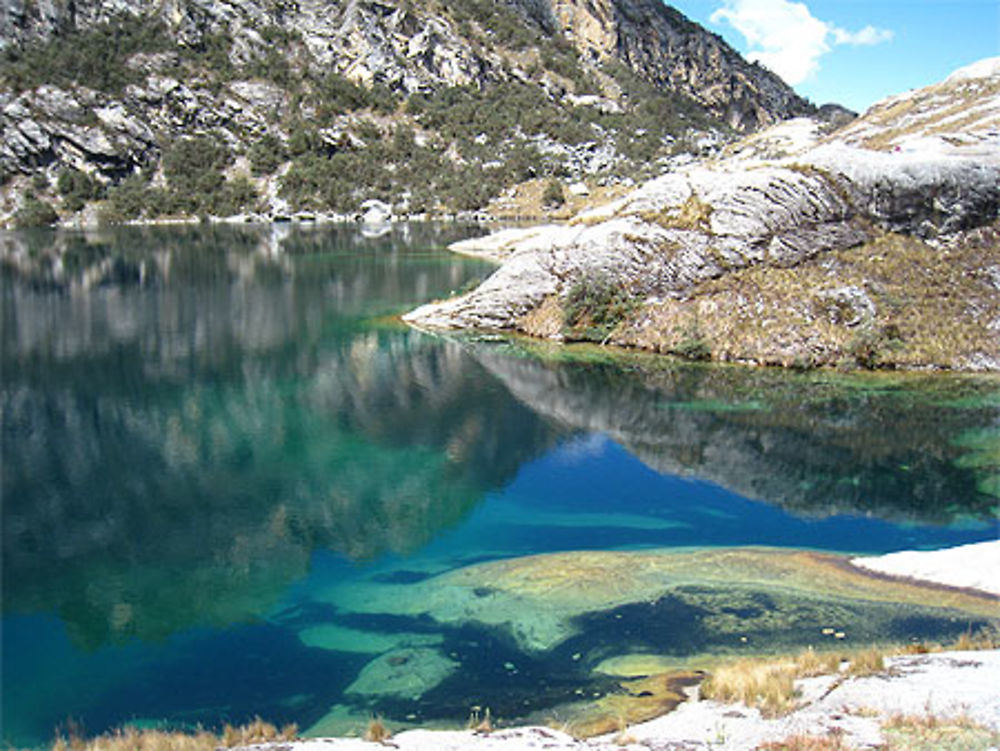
column 692, row 344
column 870, row 346
column 95, row 58
column 552, row 196
column 35, row 213
column 594, row 306
column 127, row 200
column 191, row 163
column 266, row 154
column 237, row 195
column 77, row 188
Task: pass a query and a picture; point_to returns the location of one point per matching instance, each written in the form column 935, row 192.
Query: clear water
column 209, row 432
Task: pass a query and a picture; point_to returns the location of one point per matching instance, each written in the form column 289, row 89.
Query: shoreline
column 933, row 688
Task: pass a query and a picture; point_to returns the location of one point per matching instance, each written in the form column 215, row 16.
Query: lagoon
column 234, row 484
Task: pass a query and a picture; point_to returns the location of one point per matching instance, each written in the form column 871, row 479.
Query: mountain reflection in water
column 201, row 424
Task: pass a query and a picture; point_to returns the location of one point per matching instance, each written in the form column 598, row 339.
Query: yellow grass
column 867, row 662
column 377, row 732
column 769, row 686
column 135, row 739
column 832, row 742
column 930, row 733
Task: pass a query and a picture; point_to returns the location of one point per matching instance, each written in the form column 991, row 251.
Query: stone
column 405, row 673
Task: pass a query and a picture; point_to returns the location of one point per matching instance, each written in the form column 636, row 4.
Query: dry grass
column 694, row 214
column 831, row 742
column 767, row 685
column 810, row 663
column 481, row 724
column 867, row 662
column 930, row 733
column 930, row 308
column 130, row 738
column 377, row 732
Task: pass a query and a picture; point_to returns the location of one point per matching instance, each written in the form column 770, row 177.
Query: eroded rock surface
column 697, row 252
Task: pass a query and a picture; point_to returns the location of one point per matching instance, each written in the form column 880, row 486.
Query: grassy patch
column 930, row 733
column 928, row 307
column 694, row 214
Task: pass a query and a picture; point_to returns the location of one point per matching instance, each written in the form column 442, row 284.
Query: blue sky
column 854, row 52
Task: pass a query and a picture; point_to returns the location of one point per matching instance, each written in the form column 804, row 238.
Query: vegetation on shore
column 130, row 738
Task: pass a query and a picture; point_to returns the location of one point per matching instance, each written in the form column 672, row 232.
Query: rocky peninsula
column 873, row 246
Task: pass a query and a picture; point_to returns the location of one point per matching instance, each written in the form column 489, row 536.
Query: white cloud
column 868, row 36
column 787, row 38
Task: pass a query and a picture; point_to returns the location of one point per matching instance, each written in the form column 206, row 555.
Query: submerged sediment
column 595, row 636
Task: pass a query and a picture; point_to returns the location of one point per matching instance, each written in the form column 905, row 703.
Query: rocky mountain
column 875, row 246
column 187, row 107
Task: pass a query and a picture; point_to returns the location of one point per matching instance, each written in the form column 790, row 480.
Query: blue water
column 205, row 429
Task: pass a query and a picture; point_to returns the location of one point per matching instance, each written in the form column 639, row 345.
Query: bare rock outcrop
column 748, row 252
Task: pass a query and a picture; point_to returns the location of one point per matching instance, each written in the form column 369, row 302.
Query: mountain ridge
column 293, row 94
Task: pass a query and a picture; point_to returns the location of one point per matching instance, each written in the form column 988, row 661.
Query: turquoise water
column 208, row 433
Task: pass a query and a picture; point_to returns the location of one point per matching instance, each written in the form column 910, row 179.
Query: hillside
column 873, row 247
column 160, row 108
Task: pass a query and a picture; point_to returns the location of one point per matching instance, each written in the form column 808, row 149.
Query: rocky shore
column 872, row 247
column 911, row 693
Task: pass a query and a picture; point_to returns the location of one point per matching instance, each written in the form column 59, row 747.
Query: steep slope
column 429, row 107
column 788, row 250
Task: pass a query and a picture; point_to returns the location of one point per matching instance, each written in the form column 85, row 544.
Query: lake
column 234, row 484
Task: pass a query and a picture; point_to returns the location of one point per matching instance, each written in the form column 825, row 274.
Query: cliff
column 874, row 247
column 415, row 102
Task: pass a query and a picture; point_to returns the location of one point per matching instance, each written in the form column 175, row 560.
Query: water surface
column 216, row 442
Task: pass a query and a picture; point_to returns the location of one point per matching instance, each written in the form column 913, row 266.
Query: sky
column 854, row 52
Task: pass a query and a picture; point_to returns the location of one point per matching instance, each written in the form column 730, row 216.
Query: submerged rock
column 404, row 673
column 543, row 601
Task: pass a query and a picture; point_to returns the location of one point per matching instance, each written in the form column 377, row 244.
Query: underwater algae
column 590, row 639
column 537, row 599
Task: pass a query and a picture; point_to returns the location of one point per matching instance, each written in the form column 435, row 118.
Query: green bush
column 594, row 306
column 127, row 200
column 871, row 345
column 77, row 188
column 552, row 196
column 35, row 213
column 94, row 58
column 266, row 154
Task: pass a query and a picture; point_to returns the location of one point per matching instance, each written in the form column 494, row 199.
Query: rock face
column 242, row 70
column 403, row 46
column 790, row 250
column 664, row 46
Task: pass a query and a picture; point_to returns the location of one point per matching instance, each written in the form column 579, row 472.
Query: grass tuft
column 868, row 662
column 769, row 686
column 377, row 732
